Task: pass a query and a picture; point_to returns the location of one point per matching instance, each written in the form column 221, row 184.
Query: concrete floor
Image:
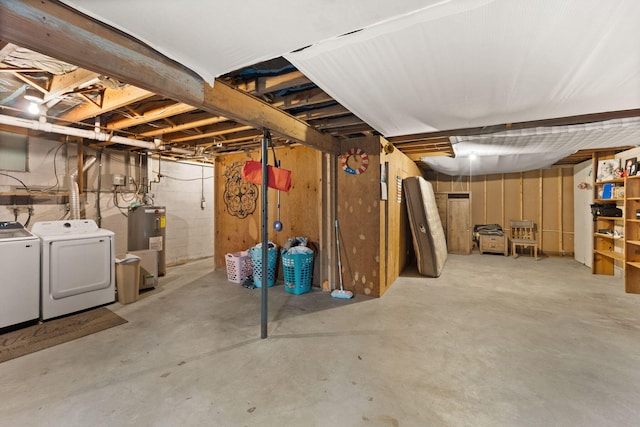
column 494, row 341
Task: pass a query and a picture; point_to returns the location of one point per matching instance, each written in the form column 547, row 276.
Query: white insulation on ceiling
column 530, row 149
column 416, row 66
column 216, row 37
column 461, row 64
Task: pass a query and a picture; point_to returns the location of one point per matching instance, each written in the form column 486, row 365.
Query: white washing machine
column 19, row 275
column 77, row 266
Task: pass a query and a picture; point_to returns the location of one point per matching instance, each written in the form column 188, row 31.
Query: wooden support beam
column 237, row 105
column 54, row 29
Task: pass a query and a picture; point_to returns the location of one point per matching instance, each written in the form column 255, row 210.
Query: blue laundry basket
column 272, row 263
column 298, row 269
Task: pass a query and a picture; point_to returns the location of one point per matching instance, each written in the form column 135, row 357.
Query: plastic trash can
column 128, row 278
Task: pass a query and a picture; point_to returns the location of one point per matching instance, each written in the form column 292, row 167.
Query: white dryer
column 19, row 275
column 77, row 266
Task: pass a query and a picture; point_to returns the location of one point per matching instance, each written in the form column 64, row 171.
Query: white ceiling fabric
column 474, row 63
column 216, row 37
column 417, row 65
column 470, row 63
column 530, row 149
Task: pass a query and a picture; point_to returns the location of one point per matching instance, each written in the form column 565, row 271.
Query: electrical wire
column 115, row 203
column 185, row 179
column 17, row 179
column 55, row 171
column 30, row 208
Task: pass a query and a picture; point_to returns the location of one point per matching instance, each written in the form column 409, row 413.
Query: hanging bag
column 278, row 178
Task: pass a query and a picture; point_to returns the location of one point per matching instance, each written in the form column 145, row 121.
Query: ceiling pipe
column 176, row 150
column 82, row 133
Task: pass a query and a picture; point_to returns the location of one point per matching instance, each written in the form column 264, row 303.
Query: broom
column 340, row 293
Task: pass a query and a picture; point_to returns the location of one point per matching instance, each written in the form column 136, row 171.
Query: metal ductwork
column 74, row 191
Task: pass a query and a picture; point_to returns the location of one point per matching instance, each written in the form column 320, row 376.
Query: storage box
column 607, row 191
column 239, row 266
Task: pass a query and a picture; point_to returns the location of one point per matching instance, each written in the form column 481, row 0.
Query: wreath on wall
column 240, row 196
column 355, row 161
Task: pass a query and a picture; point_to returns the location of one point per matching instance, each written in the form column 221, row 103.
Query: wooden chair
column 523, row 234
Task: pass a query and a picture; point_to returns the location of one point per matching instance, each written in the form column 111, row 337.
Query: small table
column 494, row 243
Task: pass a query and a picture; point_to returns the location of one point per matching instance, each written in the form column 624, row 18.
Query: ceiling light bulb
column 33, row 108
column 473, row 156
column 33, row 95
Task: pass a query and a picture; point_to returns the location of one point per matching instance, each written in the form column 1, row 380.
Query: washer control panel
column 71, row 226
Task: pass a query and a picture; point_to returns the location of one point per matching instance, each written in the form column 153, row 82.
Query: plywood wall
column 395, row 233
column 358, row 212
column 300, row 208
column 375, row 233
column 544, row 196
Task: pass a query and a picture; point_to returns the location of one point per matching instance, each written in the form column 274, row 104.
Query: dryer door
column 79, row 266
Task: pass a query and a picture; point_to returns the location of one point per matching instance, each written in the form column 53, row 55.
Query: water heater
column 147, row 230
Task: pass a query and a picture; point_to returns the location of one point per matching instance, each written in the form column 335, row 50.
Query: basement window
column 13, row 152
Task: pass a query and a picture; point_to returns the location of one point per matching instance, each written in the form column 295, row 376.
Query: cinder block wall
column 189, row 227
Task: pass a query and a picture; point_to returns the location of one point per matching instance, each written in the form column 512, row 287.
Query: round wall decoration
column 354, row 161
column 240, row 196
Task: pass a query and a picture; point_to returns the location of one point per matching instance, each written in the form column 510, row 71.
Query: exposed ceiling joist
column 310, row 97
column 221, row 130
column 320, row 113
column 65, row 83
column 263, row 85
column 68, row 35
column 152, row 115
column 112, row 99
column 192, row 123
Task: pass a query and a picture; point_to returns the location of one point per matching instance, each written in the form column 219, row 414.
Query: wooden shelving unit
column 632, row 235
column 613, row 247
column 608, row 248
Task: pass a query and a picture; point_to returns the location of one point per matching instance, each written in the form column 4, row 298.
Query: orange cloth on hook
column 279, row 179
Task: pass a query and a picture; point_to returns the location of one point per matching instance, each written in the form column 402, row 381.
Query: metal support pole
column 265, row 231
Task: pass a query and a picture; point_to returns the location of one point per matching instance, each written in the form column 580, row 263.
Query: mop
column 340, row 293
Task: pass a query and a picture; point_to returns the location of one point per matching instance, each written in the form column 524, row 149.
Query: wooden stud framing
column 560, row 217
column 540, row 211
column 502, row 197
